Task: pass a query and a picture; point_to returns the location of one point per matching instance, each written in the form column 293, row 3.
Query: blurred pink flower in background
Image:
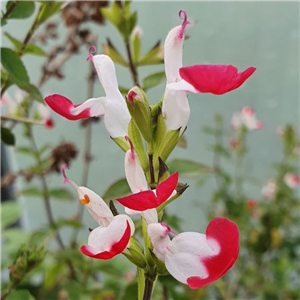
column 270, row 189
column 291, row 180
column 246, row 117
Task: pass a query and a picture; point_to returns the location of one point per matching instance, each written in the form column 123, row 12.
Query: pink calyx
column 184, row 23
column 92, row 50
column 131, row 146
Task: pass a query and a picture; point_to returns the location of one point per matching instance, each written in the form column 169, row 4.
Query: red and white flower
column 246, row 117
column 215, row 79
column 197, row 259
column 112, row 106
column 138, row 184
column 112, row 236
column 292, row 180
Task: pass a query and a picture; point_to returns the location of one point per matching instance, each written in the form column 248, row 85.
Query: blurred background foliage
column 234, row 173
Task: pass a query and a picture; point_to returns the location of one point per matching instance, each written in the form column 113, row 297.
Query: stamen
column 85, row 200
column 167, row 228
column 131, row 95
column 131, row 146
column 183, row 16
column 92, row 50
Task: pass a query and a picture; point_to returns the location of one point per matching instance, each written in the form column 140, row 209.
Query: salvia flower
column 148, row 199
column 269, row 190
column 113, row 234
column 197, row 259
column 246, row 117
column 292, row 180
column 215, row 79
column 112, row 106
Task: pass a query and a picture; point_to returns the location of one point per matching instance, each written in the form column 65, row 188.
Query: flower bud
column 139, row 109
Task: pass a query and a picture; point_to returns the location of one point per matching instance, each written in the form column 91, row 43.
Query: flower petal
column 175, row 110
column 108, row 239
column 140, row 201
column 165, row 189
column 215, row 79
column 64, row 107
column 226, row 234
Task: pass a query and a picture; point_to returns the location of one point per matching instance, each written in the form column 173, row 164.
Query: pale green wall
column 264, row 35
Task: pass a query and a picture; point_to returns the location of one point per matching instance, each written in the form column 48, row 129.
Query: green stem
column 11, row 287
column 132, row 67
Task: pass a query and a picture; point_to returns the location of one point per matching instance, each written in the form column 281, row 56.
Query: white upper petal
column 173, row 54
column 96, row 106
column 134, row 173
column 102, row 238
column 182, row 85
column 150, row 215
column 107, row 74
column 96, row 207
column 175, row 110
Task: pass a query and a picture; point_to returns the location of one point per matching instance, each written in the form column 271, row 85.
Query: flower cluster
column 192, row 258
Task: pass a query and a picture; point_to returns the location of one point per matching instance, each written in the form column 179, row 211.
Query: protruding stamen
column 131, row 146
column 131, row 95
column 85, row 200
column 92, row 50
column 167, row 228
column 183, row 16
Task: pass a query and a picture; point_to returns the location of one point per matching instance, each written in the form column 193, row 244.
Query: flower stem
column 10, row 9
column 148, row 289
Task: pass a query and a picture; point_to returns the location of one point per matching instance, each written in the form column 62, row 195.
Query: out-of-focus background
column 264, row 35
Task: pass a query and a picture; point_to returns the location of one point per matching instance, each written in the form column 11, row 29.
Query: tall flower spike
column 112, row 106
column 113, row 234
column 197, row 259
column 151, row 198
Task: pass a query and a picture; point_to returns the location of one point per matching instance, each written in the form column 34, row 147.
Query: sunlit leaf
column 15, row 67
column 47, row 10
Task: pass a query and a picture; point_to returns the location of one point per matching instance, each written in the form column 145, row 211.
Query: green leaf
column 130, row 291
column 113, row 13
column 110, row 50
column 141, row 283
column 14, row 238
column 152, row 57
column 10, row 213
column 30, row 48
column 22, row 10
column 35, row 93
column 31, row 192
column 20, row 294
column 15, row 67
column 7, row 137
column 187, row 168
column 47, row 10
column 61, row 194
column 118, row 189
column 153, row 80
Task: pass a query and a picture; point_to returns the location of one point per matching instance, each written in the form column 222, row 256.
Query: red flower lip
column 215, row 79
column 149, row 199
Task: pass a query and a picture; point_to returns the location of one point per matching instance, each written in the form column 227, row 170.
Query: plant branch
column 132, row 67
column 22, row 120
column 8, row 12
column 148, row 289
column 11, row 287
